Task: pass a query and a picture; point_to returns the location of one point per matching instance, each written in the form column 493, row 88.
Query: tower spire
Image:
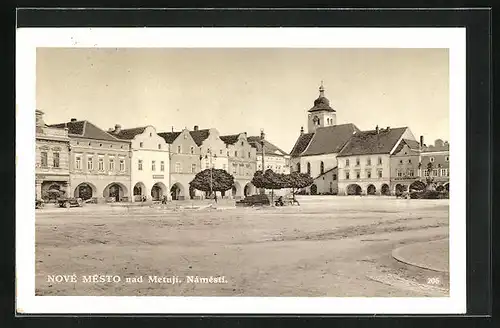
column 321, row 90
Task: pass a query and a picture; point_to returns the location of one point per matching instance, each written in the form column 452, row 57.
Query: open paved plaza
column 329, row 246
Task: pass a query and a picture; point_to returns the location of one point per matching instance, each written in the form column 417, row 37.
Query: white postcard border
column 28, row 39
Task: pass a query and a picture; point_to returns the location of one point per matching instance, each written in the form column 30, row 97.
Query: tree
column 268, row 180
column 217, row 180
column 297, row 181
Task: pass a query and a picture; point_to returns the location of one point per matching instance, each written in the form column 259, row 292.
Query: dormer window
column 150, row 134
column 141, row 144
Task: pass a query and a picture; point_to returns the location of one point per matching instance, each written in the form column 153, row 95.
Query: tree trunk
column 272, row 197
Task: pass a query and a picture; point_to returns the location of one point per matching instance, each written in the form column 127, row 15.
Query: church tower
column 321, row 114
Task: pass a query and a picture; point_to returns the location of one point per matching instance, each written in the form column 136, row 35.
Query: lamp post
column 211, row 168
column 262, row 137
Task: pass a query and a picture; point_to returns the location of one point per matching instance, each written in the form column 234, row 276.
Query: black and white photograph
column 224, row 166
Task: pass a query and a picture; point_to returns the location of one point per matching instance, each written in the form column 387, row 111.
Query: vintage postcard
column 240, row 170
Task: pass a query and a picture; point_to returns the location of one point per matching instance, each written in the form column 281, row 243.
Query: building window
column 111, row 164
column 228, row 153
column 399, row 173
column 380, row 161
column 90, row 163
column 369, row 162
column 55, row 159
column 122, row 165
column 159, row 146
column 431, row 159
column 347, row 176
column 78, row 162
column 150, row 134
column 358, row 174
column 207, row 165
column 380, row 174
column 178, row 168
column 308, row 168
column 234, row 168
column 139, row 165
column 322, row 167
column 44, row 156
column 191, row 150
column 447, row 158
column 369, row 174
column 193, row 168
column 249, row 155
column 444, row 172
column 153, row 166
column 141, row 144
column 357, row 161
column 162, row 166
column 426, row 173
column 334, row 177
column 100, row 164
column 179, row 149
column 400, row 161
column 236, row 154
column 410, row 173
column 240, row 172
column 220, row 151
column 346, row 162
column 409, row 161
column 435, row 172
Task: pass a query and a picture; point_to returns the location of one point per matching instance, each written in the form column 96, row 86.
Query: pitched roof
column 371, row 142
column 330, row 139
column 200, row 135
column 321, row 174
column 85, row 129
column 169, row 136
column 269, row 148
column 230, row 139
column 413, row 144
column 301, row 144
column 129, row 134
column 321, row 104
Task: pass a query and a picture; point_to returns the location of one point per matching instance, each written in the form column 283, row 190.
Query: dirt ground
column 328, row 246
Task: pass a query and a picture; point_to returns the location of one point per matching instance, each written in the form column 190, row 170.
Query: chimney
column 172, row 128
column 118, row 128
column 301, row 130
column 376, row 129
column 73, row 119
column 388, row 128
column 421, row 141
column 111, row 130
column 196, row 128
column 262, row 134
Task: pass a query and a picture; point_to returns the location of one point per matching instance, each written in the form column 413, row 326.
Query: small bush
column 428, row 194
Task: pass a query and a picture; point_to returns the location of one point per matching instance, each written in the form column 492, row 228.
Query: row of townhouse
column 342, row 159
column 84, row 161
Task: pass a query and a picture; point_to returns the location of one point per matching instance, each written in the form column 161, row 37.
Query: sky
column 245, row 90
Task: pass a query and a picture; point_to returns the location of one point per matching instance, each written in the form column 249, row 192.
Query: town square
column 303, row 197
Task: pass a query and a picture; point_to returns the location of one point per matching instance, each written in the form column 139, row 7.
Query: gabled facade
column 150, row 162
column 99, row 163
column 52, row 159
column 242, row 162
column 439, row 155
column 185, row 162
column 274, row 158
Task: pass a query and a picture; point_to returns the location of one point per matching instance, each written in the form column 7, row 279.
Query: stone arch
column 314, row 189
column 385, row 190
column 158, row 190
column 371, row 190
column 116, row 190
column 400, row 188
column 417, row 185
column 85, row 190
column 139, row 191
column 354, row 189
column 236, row 189
column 249, row 189
column 177, row 191
column 447, row 186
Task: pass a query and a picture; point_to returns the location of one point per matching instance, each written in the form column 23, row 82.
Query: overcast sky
column 244, row 90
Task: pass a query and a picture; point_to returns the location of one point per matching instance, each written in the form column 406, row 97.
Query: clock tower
column 321, row 114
